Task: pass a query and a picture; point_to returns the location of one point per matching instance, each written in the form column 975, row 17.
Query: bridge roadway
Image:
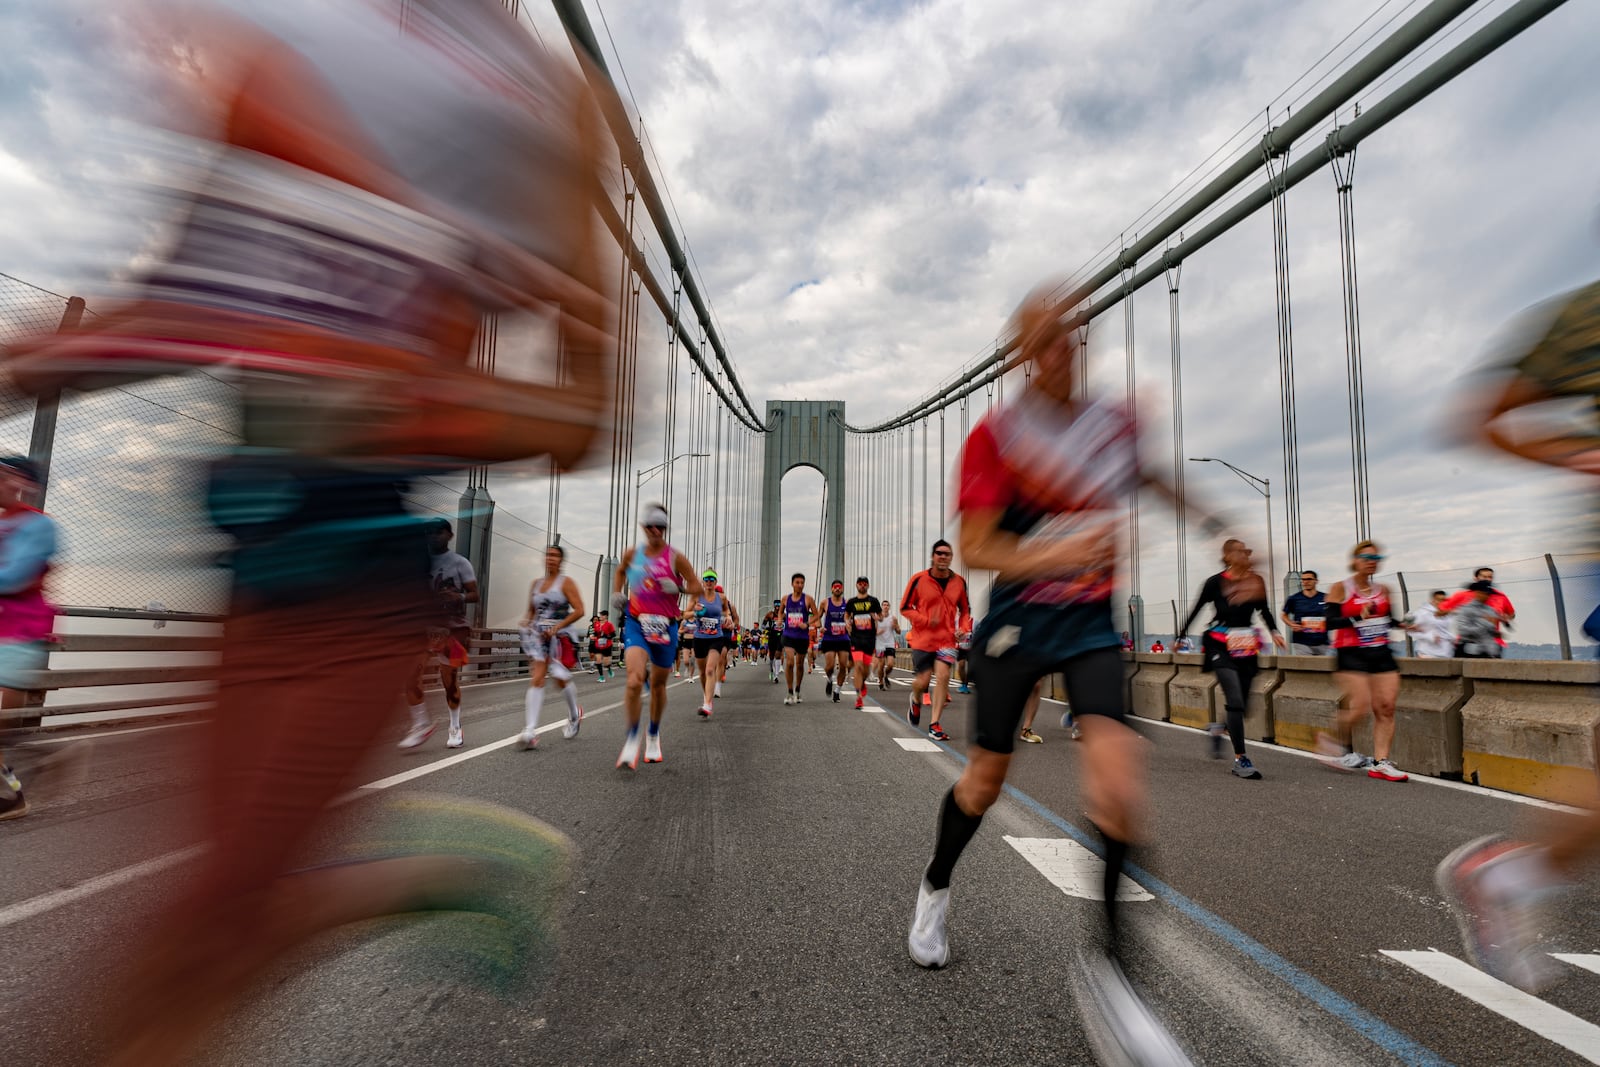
column 746, row 902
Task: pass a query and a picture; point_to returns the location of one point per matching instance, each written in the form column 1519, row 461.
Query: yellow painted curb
column 1548, row 781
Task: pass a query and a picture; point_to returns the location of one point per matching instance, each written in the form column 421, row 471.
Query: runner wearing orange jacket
column 935, row 603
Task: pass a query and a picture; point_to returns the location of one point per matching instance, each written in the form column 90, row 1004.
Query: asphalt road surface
column 746, row 902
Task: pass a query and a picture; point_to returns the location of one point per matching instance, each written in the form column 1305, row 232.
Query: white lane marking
column 917, row 744
column 1443, row 783
column 873, row 711
column 1524, row 1009
column 1072, row 868
column 27, row 909
column 1588, row 961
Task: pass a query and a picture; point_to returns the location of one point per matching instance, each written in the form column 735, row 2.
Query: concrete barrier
column 1427, row 718
column 1530, row 728
column 1150, row 696
column 1189, row 700
column 1304, row 701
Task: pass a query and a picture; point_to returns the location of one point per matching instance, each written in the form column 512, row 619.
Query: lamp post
column 1264, row 487
column 640, row 476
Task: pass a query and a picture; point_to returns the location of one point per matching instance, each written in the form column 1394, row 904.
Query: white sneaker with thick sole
column 417, row 736
column 629, row 756
column 455, row 738
column 652, row 748
column 528, row 740
column 574, row 721
column 927, row 941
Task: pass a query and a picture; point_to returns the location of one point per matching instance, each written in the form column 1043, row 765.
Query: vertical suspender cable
column 1174, row 273
column 1344, row 173
column 1277, row 163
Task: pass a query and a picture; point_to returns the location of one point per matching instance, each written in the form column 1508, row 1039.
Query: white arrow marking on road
column 1072, row 868
column 1524, row 1009
column 1588, row 961
column 917, row 744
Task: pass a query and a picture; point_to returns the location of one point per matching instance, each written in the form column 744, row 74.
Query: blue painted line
column 1336, row 1004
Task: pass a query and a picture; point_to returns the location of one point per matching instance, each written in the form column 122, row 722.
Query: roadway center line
column 12, row 914
column 1526, row 1010
column 1443, row 783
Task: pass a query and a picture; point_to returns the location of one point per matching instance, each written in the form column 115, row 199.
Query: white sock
column 534, row 704
column 455, row 717
column 419, row 715
column 572, row 700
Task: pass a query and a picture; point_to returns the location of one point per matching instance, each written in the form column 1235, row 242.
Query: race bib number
column 657, row 629
column 964, row 641
column 709, row 627
column 1371, row 632
column 797, row 620
column 602, row 643
column 1314, row 624
column 1242, row 641
column 946, row 655
column 838, row 629
column 863, row 622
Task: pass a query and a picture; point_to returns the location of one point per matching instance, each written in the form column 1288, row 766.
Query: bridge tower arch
column 803, row 433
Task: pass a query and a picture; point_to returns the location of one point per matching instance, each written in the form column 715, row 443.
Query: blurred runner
column 27, row 545
column 412, row 180
column 1360, row 616
column 1229, row 645
column 935, row 604
column 888, row 627
column 714, row 621
column 455, row 584
column 549, row 637
column 1433, row 638
column 652, row 577
column 1501, row 890
column 605, row 639
column 1028, row 712
column 1500, row 605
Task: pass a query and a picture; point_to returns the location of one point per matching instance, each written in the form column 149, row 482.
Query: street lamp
column 1264, row 487
column 640, row 476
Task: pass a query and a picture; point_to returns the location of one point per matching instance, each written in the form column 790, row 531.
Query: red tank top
column 1372, row 632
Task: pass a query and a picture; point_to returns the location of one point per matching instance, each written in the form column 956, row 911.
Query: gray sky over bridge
column 869, row 188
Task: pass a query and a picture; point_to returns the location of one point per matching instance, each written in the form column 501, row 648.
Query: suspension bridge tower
column 803, row 433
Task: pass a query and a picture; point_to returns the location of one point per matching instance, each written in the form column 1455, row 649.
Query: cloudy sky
column 868, row 188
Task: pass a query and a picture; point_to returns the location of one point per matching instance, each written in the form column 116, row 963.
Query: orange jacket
column 935, row 614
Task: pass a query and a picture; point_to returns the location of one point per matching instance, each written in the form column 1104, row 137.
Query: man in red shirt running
column 935, row 603
column 605, row 639
column 1497, row 600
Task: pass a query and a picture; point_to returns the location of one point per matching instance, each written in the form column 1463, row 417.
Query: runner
column 455, row 584
column 1044, row 460
column 865, row 613
column 549, row 637
column 795, row 615
column 605, row 640
column 1433, row 639
column 935, row 603
column 834, row 627
column 963, row 648
column 685, row 659
column 651, row 577
column 1500, row 889
column 1360, row 616
column 341, row 387
column 1305, row 613
column 1477, row 624
column 1229, row 644
column 27, row 545
column 772, row 634
column 712, row 616
column 888, row 628
column 1500, row 604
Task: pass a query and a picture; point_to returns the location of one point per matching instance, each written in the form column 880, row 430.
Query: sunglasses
column 657, row 529
column 1373, row 556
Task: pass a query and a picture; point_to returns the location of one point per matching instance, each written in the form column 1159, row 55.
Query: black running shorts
column 834, row 646
column 799, row 644
column 1376, row 660
column 1094, row 687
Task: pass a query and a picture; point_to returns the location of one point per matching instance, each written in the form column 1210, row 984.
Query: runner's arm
column 909, row 607
column 985, row 546
column 1210, row 591
column 569, row 589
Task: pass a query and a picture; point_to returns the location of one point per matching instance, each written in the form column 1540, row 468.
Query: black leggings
column 1234, row 677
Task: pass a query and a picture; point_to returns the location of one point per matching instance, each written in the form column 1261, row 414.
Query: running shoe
column 928, row 944
column 1243, row 768
column 1386, row 770
column 629, row 757
column 652, row 748
column 798, row 699
column 936, row 732
column 9, row 777
column 965, row 689
column 859, row 702
column 836, row 696
column 1119, row 1024
column 528, row 740
column 13, row 807
column 717, row 692
column 454, row 739
column 574, row 721
column 789, row 699
column 827, row 690
column 705, row 711
column 417, row 736
column 1216, row 732
column 677, row 674
column 1030, row 737
column 915, row 712
column 1498, row 915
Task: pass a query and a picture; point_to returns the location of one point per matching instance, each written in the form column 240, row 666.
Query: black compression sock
column 1236, row 729
column 1116, row 857
column 956, row 828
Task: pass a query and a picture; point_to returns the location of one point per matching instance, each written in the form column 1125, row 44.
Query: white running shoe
column 574, row 720
column 629, row 757
column 798, row 699
column 417, row 736
column 717, row 692
column 528, row 740
column 705, row 711
column 927, row 941
column 652, row 748
column 454, row 738
column 788, row 699
column 677, row 674
column 1119, row 1025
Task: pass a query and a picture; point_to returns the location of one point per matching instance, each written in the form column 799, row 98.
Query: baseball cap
column 21, row 465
